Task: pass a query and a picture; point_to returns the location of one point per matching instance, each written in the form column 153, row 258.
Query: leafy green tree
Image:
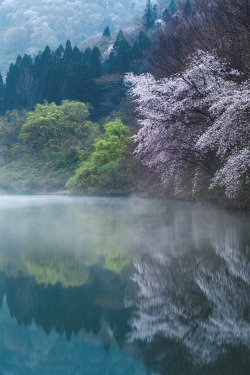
column 107, row 168
column 63, row 128
column 10, row 127
column 79, row 133
column 44, row 126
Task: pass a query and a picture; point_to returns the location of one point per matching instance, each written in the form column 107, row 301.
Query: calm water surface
column 108, row 286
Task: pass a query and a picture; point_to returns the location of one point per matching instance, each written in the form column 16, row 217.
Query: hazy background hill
column 27, row 26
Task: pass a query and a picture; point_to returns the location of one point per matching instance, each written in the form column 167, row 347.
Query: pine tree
column 42, row 66
column 68, row 51
column 121, row 44
column 86, row 56
column 166, row 15
column 118, row 61
column 172, row 7
column 12, row 80
column 59, row 53
column 2, row 109
column 27, row 87
column 187, row 8
column 95, row 63
column 149, row 16
column 76, row 55
column 154, row 13
column 135, row 51
column 143, row 41
column 106, row 32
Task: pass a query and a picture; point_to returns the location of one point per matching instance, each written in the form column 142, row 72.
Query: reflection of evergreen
column 70, row 309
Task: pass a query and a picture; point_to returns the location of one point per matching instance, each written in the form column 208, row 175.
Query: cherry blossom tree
column 194, row 122
column 194, row 300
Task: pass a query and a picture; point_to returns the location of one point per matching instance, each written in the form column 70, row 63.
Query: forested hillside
column 28, row 26
column 166, row 101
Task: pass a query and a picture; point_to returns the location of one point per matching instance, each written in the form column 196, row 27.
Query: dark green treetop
column 106, row 32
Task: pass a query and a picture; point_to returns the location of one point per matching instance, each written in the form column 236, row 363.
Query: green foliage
column 43, row 127
column 10, row 127
column 30, row 174
column 53, row 268
column 59, row 128
column 106, row 171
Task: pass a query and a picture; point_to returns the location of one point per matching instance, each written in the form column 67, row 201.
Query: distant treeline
column 68, row 73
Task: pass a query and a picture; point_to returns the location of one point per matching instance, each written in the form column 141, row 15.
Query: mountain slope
column 28, row 26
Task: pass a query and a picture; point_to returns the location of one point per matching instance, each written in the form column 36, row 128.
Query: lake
column 109, row 286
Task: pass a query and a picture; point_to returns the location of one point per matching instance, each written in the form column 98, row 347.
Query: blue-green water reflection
column 123, row 286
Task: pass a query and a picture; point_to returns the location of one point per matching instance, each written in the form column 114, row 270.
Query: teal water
column 123, row 286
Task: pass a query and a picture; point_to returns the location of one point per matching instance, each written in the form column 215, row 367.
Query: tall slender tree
column 149, row 16
column 95, row 63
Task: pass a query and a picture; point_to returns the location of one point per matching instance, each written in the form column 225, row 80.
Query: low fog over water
column 160, row 285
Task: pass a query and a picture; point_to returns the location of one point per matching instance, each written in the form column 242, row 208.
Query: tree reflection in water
column 197, row 300
column 166, row 281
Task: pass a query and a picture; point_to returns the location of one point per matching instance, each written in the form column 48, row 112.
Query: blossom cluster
column 197, row 120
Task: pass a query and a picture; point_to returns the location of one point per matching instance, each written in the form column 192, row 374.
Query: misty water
column 108, row 286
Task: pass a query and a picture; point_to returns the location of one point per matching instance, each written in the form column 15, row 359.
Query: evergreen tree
column 68, row 53
column 121, row 44
column 2, row 109
column 43, row 73
column 166, row 15
column 141, row 44
column 11, row 95
column 59, row 53
column 149, row 15
column 95, row 63
column 119, row 58
column 76, row 55
column 143, row 41
column 86, row 56
column 154, row 13
column 135, row 51
column 106, row 32
column 172, row 7
column 27, row 87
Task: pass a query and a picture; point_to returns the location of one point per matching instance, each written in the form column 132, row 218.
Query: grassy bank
column 33, row 175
